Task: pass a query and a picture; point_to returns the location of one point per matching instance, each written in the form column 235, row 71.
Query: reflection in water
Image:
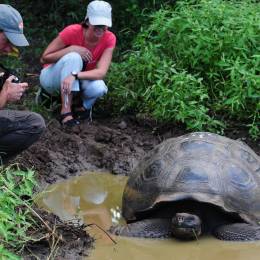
column 96, row 198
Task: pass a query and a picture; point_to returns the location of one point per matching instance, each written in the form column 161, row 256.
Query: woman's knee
column 73, row 58
column 95, row 89
column 45, row 81
column 50, row 77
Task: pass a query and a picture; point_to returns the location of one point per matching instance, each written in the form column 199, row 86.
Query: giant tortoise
column 199, row 183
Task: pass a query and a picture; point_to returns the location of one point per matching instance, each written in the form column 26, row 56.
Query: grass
column 16, row 189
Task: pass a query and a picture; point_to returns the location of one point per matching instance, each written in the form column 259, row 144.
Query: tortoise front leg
column 238, row 232
column 148, row 228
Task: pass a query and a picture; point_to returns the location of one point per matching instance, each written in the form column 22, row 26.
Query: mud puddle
column 95, row 198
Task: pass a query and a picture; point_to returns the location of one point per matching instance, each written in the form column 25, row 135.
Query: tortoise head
column 186, row 226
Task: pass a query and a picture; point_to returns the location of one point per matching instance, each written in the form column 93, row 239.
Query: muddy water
column 96, row 198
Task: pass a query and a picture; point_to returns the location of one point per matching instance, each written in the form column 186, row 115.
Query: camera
column 5, row 74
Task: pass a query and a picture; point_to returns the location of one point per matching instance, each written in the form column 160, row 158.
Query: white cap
column 99, row 13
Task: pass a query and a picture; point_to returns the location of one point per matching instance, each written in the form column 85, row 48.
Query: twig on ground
column 93, row 224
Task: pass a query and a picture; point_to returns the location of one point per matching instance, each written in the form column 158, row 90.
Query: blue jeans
column 52, row 76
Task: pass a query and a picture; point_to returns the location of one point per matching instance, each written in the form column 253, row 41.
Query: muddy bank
column 108, row 145
column 114, row 145
column 55, row 239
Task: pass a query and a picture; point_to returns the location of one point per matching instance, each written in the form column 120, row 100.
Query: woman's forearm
column 102, row 67
column 94, row 74
column 55, row 56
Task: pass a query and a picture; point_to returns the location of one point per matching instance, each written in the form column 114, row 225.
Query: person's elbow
column 43, row 59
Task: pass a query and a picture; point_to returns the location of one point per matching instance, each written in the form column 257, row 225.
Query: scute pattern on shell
column 202, row 166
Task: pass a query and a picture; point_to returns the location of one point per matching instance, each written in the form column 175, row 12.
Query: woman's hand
column 66, row 84
column 13, row 91
column 85, row 54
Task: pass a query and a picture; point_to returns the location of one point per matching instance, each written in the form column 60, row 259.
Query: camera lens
column 15, row 80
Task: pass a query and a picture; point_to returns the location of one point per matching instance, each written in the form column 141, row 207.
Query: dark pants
column 18, row 130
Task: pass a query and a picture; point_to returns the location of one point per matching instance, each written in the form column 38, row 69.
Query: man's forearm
column 3, row 99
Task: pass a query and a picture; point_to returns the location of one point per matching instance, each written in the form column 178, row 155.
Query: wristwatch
column 74, row 74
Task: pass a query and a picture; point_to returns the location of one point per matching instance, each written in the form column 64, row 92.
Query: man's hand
column 12, row 92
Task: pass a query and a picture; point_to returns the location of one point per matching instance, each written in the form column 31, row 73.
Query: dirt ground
column 106, row 144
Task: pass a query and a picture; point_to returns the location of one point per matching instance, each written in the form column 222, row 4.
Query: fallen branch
column 93, row 224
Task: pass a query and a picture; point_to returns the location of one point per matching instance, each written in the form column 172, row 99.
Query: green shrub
column 15, row 218
column 213, row 47
column 152, row 85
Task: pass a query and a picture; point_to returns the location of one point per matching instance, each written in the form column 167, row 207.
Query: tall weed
column 214, row 43
column 15, row 219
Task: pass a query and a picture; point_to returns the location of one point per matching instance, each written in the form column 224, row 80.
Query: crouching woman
column 77, row 60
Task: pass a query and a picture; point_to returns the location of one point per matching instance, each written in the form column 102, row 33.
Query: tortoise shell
column 200, row 166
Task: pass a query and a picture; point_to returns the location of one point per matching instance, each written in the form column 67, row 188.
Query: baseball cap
column 99, row 13
column 11, row 23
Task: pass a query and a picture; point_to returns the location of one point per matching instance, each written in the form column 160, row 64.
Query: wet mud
column 57, row 239
column 114, row 145
column 105, row 145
